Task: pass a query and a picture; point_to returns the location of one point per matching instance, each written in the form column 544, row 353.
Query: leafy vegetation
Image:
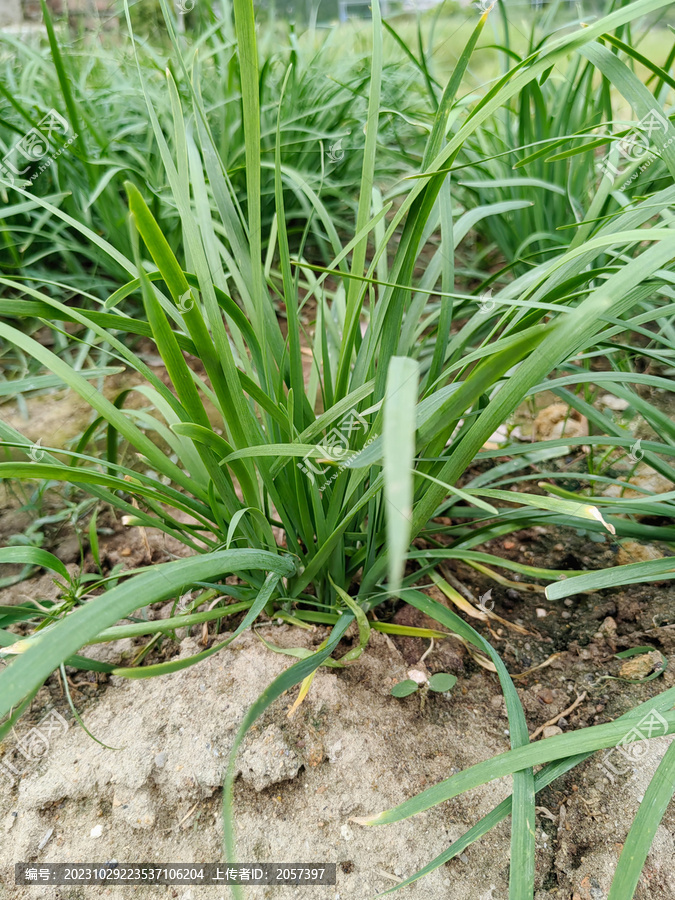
column 328, row 400
column 439, row 682
column 319, row 115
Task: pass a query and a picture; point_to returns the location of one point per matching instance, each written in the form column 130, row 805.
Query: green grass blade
column 399, row 426
column 641, row 835
column 543, row 778
column 47, row 650
column 355, row 291
column 284, row 682
column 247, row 49
column 34, row 556
column 596, row 737
column 64, row 81
column 521, row 877
column 632, row 573
column 177, row 665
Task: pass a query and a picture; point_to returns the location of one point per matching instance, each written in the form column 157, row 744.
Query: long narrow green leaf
column 596, row 737
column 284, row 682
column 632, row 573
column 355, row 293
column 643, row 830
column 544, row 777
column 521, row 877
column 34, row 556
column 177, row 665
column 400, row 402
column 46, row 651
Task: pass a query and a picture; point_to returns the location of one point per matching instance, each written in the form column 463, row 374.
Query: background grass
column 335, row 365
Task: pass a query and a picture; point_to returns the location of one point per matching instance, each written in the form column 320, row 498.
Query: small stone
column 566, row 615
column 417, row 676
column 96, row 831
column 314, row 755
column 546, row 695
column 551, row 731
column 638, row 667
column 125, row 551
column 46, row 839
column 541, row 613
column 615, row 403
column 557, row 421
column 633, row 551
column 160, row 759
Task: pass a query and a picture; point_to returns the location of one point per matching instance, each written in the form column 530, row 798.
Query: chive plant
column 354, row 459
column 320, row 116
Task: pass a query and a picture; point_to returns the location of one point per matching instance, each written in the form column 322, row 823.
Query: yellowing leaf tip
column 595, row 512
column 358, row 820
